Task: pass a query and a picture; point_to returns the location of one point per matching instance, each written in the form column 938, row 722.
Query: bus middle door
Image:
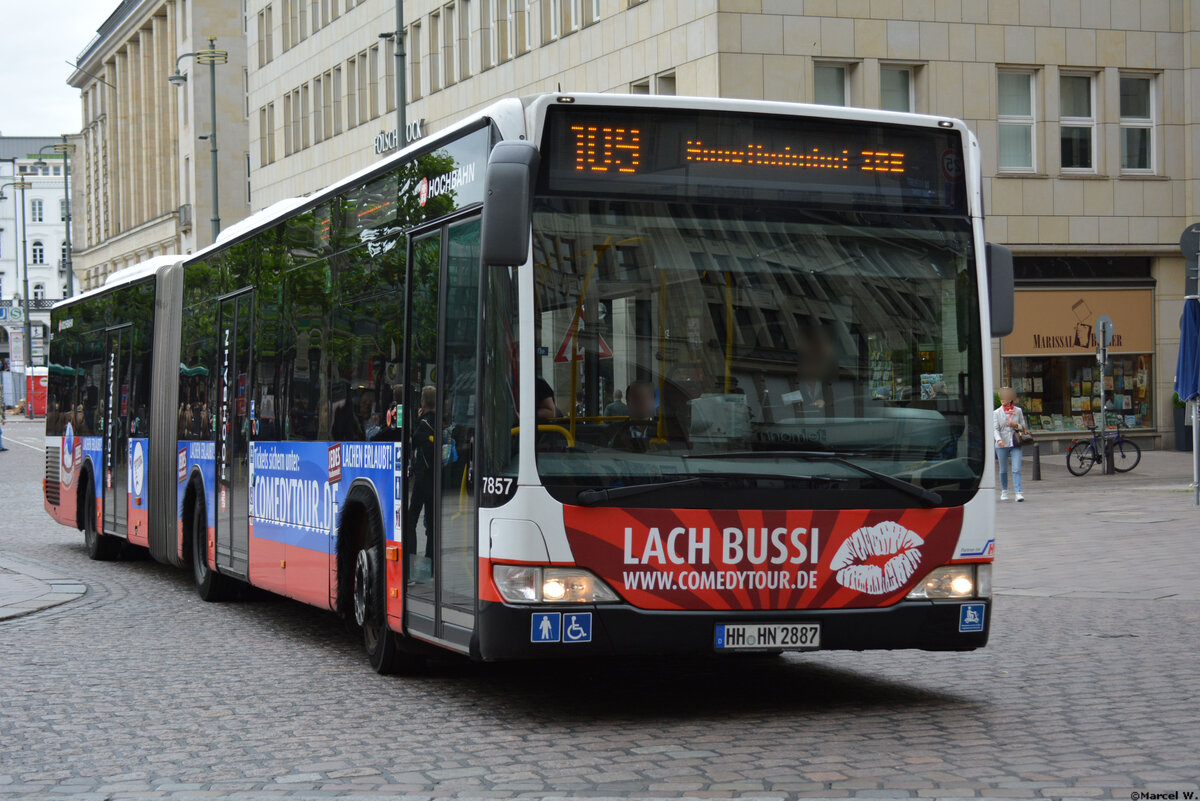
column 234, row 337
column 117, row 348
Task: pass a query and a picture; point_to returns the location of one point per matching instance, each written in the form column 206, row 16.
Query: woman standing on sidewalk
column 1008, row 420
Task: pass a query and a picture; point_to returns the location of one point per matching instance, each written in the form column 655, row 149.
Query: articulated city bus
column 584, row 374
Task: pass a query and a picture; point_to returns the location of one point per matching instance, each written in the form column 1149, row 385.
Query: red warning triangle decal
column 561, row 356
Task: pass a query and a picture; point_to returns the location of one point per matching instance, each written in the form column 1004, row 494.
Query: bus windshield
column 734, row 342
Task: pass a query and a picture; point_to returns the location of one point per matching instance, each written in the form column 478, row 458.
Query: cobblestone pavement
column 1089, row 687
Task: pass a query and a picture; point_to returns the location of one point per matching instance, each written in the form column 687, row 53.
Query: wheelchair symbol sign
column 577, row 627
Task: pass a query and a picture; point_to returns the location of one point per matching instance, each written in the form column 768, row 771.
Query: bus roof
column 123, row 277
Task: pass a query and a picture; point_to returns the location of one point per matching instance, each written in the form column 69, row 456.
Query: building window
column 1015, row 118
column 464, row 39
column 896, row 88
column 36, row 212
column 287, row 23
column 266, row 134
column 502, row 45
column 336, row 90
column 389, row 74
column 487, row 47
column 1077, row 121
column 525, row 42
column 318, row 108
column 449, row 26
column 62, row 210
column 302, row 122
column 266, row 36
column 62, row 255
column 665, row 83
column 1137, row 123
column 39, row 291
column 363, row 84
column 37, row 252
column 352, row 92
column 414, row 61
column 831, row 85
column 288, row 136
column 435, row 40
column 640, row 87
column 373, row 81
column 552, row 18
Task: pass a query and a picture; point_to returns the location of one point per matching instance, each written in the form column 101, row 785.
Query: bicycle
column 1123, row 452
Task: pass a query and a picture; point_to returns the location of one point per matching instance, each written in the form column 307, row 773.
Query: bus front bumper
column 517, row 632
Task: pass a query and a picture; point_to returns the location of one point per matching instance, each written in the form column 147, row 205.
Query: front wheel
column 370, row 612
column 1125, row 455
column 1080, row 458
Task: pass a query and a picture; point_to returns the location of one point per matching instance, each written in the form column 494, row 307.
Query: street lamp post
column 21, row 186
column 212, row 57
column 401, row 78
column 67, row 149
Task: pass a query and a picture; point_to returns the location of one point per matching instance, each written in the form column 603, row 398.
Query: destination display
column 692, row 155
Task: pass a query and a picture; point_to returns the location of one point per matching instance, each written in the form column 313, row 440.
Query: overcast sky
column 37, row 38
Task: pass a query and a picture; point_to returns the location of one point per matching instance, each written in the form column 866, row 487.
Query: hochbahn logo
column 446, row 182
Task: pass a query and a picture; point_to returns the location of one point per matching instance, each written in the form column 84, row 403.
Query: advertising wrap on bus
column 694, row 559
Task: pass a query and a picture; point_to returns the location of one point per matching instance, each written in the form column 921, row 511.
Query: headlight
column 955, row 581
column 525, row 584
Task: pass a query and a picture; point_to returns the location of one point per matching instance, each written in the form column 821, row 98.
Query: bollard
column 1037, row 461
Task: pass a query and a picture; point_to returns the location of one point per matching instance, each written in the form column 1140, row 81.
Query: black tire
column 1080, row 458
column 1125, row 455
column 211, row 586
column 100, row 546
column 369, row 600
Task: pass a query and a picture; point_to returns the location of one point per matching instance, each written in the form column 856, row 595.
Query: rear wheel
column 1080, row 458
column 382, row 645
column 100, row 546
column 210, row 585
column 1125, row 455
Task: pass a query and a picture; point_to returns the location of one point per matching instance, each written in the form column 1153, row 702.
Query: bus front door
column 440, row 409
column 233, row 432
column 118, row 342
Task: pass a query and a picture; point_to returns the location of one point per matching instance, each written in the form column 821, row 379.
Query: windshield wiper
column 929, row 497
column 590, row 497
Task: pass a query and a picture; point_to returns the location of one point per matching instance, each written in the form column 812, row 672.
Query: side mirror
column 1000, row 288
column 508, row 203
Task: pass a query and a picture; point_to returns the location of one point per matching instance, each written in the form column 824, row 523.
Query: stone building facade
column 142, row 184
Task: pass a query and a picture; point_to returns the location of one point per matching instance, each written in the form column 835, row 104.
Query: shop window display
column 1062, row 393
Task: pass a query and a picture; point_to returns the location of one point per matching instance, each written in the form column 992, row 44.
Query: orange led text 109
column 600, row 148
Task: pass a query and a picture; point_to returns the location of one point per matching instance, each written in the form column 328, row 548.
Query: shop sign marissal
column 1063, row 321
